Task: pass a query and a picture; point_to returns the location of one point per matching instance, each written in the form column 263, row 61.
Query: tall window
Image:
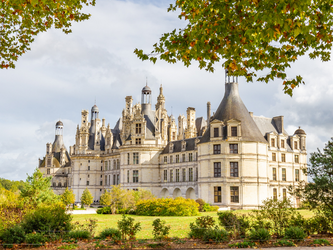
column 273, row 156
column 165, row 175
column 234, row 194
column 234, row 169
column 118, row 181
column 49, row 162
column 88, row 168
column 138, row 128
column 128, row 158
column 196, row 174
column 135, row 158
column 118, row 164
column 284, row 192
column 217, row 194
column 283, row 157
column 171, row 159
column 296, row 159
column 272, row 142
column 233, row 148
column 137, row 141
column 184, row 174
column 190, row 157
column 274, row 174
column 173, row 136
column 128, row 176
column 216, row 132
column 171, row 175
column 87, row 183
column 217, row 149
column 284, row 177
column 183, row 157
column 135, row 176
column 114, row 179
column 101, row 183
column 177, row 158
column 165, row 159
column 177, row 175
column 274, row 194
column 296, row 174
column 233, row 131
column 217, row 169
column 282, row 143
column 190, row 174
column 295, row 144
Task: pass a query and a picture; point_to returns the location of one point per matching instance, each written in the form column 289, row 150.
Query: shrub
column 318, row 224
column 110, row 232
column 167, row 207
column 244, row 244
column 36, row 239
column 261, row 234
column 79, row 234
column 104, row 210
column 89, row 225
column 237, row 225
column 160, row 230
column 47, row 219
column 201, row 203
column 216, row 235
column 13, row 235
column 285, row 243
column 200, row 226
column 322, row 242
column 294, row 233
column 127, row 227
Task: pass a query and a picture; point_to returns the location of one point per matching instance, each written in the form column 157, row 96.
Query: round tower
column 58, row 141
column 145, row 100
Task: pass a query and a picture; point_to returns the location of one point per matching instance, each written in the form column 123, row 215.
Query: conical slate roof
column 232, row 107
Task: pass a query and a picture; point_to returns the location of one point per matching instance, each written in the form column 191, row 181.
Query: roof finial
column 146, row 81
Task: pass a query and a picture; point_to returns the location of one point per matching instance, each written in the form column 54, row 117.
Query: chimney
column 208, row 114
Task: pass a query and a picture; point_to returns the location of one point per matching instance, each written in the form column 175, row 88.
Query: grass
column 180, row 226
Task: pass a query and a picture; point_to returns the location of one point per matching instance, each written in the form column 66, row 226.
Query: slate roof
column 177, row 145
column 232, row 107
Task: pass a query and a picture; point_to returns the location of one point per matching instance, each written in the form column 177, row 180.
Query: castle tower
column 181, row 127
column 58, row 141
column 160, row 100
column 172, row 129
column 191, row 130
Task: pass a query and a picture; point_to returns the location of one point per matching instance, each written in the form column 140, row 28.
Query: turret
column 146, row 100
column 58, row 141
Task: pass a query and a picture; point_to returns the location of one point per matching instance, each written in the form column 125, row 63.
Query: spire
column 58, row 140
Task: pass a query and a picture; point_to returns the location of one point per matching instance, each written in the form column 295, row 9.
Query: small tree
column 318, row 193
column 127, row 227
column 105, row 198
column 37, row 190
column 86, row 198
column 160, row 230
column 68, row 197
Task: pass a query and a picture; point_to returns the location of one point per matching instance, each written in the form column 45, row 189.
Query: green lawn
column 180, row 226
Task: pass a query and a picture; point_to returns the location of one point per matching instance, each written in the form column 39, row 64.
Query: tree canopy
column 22, row 20
column 248, row 36
column 86, row 198
column 68, row 197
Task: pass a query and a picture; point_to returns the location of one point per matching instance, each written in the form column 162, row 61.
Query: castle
column 231, row 159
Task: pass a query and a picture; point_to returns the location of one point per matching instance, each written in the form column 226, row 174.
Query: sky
column 65, row 74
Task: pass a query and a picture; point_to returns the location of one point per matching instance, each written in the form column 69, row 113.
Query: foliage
column 215, row 235
column 79, row 234
column 22, row 20
column 110, row 232
column 86, row 198
column 36, row 239
column 248, row 36
column 167, row 207
column 37, row 190
column 294, row 233
column 244, row 244
column 236, row 225
column 322, row 242
column 48, row 219
column 261, row 234
column 88, row 225
column 160, row 230
column 68, row 197
column 318, row 194
column 284, row 243
column 11, row 185
column 201, row 203
column 104, row 210
column 13, row 235
column 201, row 225
column 70, row 246
column 127, row 227
column 276, row 215
column 318, row 224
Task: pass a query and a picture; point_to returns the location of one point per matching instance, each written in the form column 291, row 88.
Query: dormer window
column 282, row 143
column 138, row 141
column 234, row 131
column 138, row 128
column 183, row 145
column 295, row 145
column 171, row 148
column 216, row 132
column 272, row 142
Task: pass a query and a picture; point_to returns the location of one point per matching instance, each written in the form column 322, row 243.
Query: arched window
column 59, row 184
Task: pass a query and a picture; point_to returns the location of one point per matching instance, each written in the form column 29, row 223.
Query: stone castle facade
column 231, row 159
